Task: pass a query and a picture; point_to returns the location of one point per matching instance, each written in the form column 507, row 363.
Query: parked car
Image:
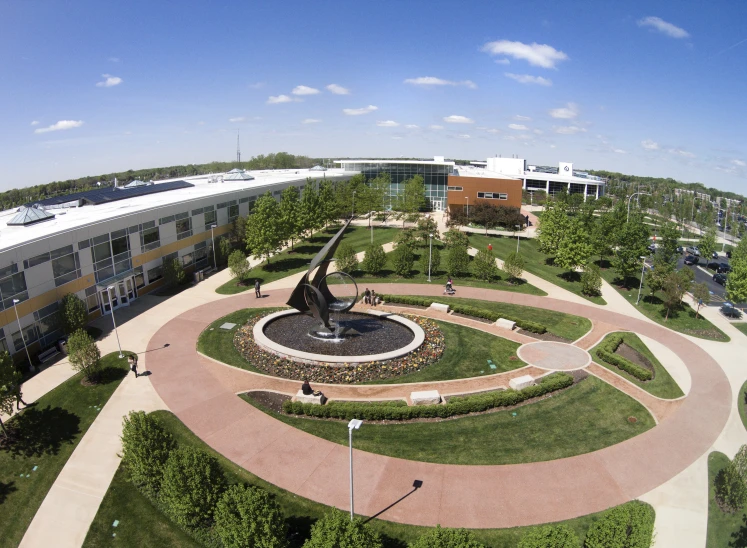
column 714, row 255
column 724, row 268
column 693, row 250
column 651, row 248
column 728, row 254
column 719, row 278
column 680, row 249
column 691, row 260
column 714, row 265
column 730, row 311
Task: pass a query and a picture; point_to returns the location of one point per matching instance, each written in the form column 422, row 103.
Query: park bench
column 48, row 354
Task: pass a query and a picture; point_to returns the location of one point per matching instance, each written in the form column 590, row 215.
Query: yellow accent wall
column 148, row 256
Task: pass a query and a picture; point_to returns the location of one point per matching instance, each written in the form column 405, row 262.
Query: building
column 108, row 245
column 465, row 191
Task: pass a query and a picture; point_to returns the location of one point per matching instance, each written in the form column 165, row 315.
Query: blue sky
column 649, row 88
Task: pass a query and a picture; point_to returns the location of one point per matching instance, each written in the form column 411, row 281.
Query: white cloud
column 680, row 152
column 113, row 59
column 464, row 136
column 412, row 126
column 519, row 127
column 566, row 113
column 528, row 79
column 304, row 90
column 538, row 55
column 619, row 151
column 277, row 99
column 387, row 123
column 110, row 81
column 359, row 111
column 493, row 130
column 35, row 123
column 455, row 119
column 396, row 137
column 569, row 130
column 435, row 127
column 62, row 124
column 648, row 144
column 310, row 121
column 739, row 163
column 663, row 27
column 522, row 118
column 237, row 119
column 552, row 146
column 538, row 131
column 338, row 90
column 503, row 62
column 257, row 85
column 433, row 81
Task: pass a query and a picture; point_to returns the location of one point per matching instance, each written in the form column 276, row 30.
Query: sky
column 645, row 88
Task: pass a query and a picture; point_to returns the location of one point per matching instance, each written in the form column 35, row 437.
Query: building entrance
column 437, row 205
column 122, row 292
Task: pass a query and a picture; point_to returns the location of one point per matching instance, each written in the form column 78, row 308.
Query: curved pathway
column 201, row 393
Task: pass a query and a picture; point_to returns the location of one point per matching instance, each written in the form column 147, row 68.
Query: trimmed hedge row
column 606, row 351
column 399, row 411
column 467, row 310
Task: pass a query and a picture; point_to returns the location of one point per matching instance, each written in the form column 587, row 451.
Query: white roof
column 427, row 162
column 475, row 171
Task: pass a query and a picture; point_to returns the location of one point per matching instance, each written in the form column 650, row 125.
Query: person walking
column 132, row 358
column 257, row 292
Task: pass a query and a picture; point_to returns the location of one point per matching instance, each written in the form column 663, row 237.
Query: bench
column 425, row 397
column 505, row 324
column 440, row 307
column 48, row 354
column 521, row 382
column 311, row 398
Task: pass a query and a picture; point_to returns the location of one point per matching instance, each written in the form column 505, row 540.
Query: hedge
column 467, row 310
column 628, row 526
column 400, row 411
column 606, row 351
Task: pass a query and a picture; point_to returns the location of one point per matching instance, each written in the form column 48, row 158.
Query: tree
column 402, row 260
column 455, row 238
column 574, row 247
column 457, row 260
column 10, row 386
column 514, row 265
column 237, row 264
column 731, row 490
column 192, row 484
column 603, row 235
column 173, row 272
column 483, row 266
column 660, row 269
column 676, row 284
column 145, row 448
column 485, row 214
column 668, row 242
column 84, row 355
column 248, row 517
column 550, row 536
column 73, row 314
column 264, row 230
column 591, row 281
column 374, row 259
column 736, row 283
column 631, row 241
column 707, row 243
column 328, row 205
column 224, row 250
column 413, row 198
column 447, row 538
column 552, row 227
column 425, row 227
column 430, row 259
column 311, row 213
column 335, row 530
column 701, row 296
column 370, row 197
column 238, row 230
column 290, row 214
column 346, row 259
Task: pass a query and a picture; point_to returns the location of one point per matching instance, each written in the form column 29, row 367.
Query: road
column 703, row 275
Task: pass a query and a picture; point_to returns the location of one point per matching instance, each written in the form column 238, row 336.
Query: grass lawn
column 742, row 326
column 45, row 436
column 291, row 261
column 467, row 350
column 588, row 416
column 142, row 524
column 662, row 385
column 537, row 263
column 723, row 529
column 742, row 404
column 682, row 320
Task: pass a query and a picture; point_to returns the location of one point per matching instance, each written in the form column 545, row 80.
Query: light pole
column 370, row 220
column 640, row 285
column 20, row 330
column 354, row 424
column 518, row 228
column 467, row 206
column 352, row 212
column 629, row 198
column 430, row 254
column 111, row 307
column 212, row 237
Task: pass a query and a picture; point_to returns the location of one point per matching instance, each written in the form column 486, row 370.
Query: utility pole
column 238, row 148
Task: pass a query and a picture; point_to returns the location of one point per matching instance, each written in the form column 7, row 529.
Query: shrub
column 237, row 264
column 484, row 266
column 628, row 526
column 731, row 490
column 145, row 449
column 402, row 260
column 606, row 351
column 550, row 536
column 335, row 529
column 514, row 265
column 447, row 538
column 346, row 260
column 73, row 314
column 192, row 485
column 591, row 281
column 84, row 355
column 374, row 259
column 457, row 260
column 429, row 258
column 247, row 517
column 173, row 273
column 224, row 250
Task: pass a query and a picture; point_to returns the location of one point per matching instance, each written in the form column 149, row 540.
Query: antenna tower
column 238, row 147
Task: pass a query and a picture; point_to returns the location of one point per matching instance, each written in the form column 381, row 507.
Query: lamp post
column 111, row 307
column 518, row 228
column 354, row 424
column 467, row 206
column 352, row 212
column 20, row 330
column 370, row 220
column 430, row 254
column 212, row 237
column 640, row 285
column 629, row 198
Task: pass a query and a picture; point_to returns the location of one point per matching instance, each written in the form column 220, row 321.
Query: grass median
column 723, row 529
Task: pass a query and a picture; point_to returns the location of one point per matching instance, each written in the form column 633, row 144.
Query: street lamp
column 518, row 228
column 370, row 221
column 354, row 424
column 467, row 206
column 430, row 254
column 20, row 330
column 640, row 285
column 111, row 307
column 212, row 238
column 629, row 198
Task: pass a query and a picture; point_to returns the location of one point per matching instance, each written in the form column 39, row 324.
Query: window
column 120, row 245
column 209, row 219
column 187, row 259
column 492, row 195
column 164, row 220
column 197, row 211
column 30, row 334
column 33, row 261
column 13, row 286
column 455, row 188
column 155, row 274
column 84, row 244
column 139, row 279
column 47, row 323
column 101, row 252
column 183, row 228
column 66, row 268
column 8, row 270
column 92, row 301
column 222, row 205
column 150, row 238
column 201, row 256
column 233, row 212
column 502, row 196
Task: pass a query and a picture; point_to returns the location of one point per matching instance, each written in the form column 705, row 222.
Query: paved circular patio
column 202, row 394
column 554, row 356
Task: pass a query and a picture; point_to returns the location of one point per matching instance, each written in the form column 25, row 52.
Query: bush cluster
column 467, row 310
column 447, row 538
column 550, row 536
column 731, row 490
column 630, row 525
column 606, row 351
column 399, row 411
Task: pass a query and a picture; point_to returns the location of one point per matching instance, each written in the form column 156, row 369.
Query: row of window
column 493, row 195
column 455, row 188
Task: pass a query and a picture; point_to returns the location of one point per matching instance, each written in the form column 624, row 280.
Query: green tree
column 731, row 490
column 603, row 235
column 591, row 281
column 514, row 265
column 264, row 230
column 224, row 250
column 483, row 265
column 328, row 205
column 631, row 241
column 73, row 313
column 707, row 243
column 668, row 242
column 630, row 525
column 374, row 259
column 84, row 355
column 370, row 196
column 430, row 259
column 550, row 536
column 237, row 264
column 455, row 238
column 736, row 282
column 701, row 296
column 145, row 448
column 413, row 198
column 173, row 273
column 291, row 219
column 346, row 259
column 403, row 259
column 311, row 212
column 192, row 484
column 425, row 227
column 10, row 386
column 248, row 517
column 676, row 284
column 457, row 261
column 335, row 530
column 574, row 248
column 657, row 275
column 552, row 228
column 238, row 230
column 447, row 538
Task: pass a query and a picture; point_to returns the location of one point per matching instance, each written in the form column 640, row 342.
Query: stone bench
column 48, row 354
column 521, row 382
column 303, row 398
column 425, row 397
column 440, row 307
column 505, row 324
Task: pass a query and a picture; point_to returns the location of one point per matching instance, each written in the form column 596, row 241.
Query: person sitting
column 374, row 297
column 306, row 388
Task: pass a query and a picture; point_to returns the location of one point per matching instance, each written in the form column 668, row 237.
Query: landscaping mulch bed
column 403, row 305
column 481, row 320
column 546, row 336
column 270, row 400
column 634, row 356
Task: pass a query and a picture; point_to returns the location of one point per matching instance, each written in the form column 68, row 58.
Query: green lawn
column 662, row 385
column 682, row 319
column 45, row 436
column 742, row 404
column 537, row 263
column 467, row 350
column 291, row 261
column 142, row 524
column 742, row 326
column 588, row 416
column 724, row 530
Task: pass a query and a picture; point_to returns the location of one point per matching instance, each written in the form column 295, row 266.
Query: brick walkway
column 202, row 394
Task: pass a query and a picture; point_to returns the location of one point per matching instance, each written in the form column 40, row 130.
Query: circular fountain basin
column 382, row 336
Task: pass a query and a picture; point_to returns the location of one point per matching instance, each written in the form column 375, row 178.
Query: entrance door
column 130, row 287
column 121, row 293
column 438, row 205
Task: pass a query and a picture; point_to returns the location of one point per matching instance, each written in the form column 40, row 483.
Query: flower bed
column 341, row 373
